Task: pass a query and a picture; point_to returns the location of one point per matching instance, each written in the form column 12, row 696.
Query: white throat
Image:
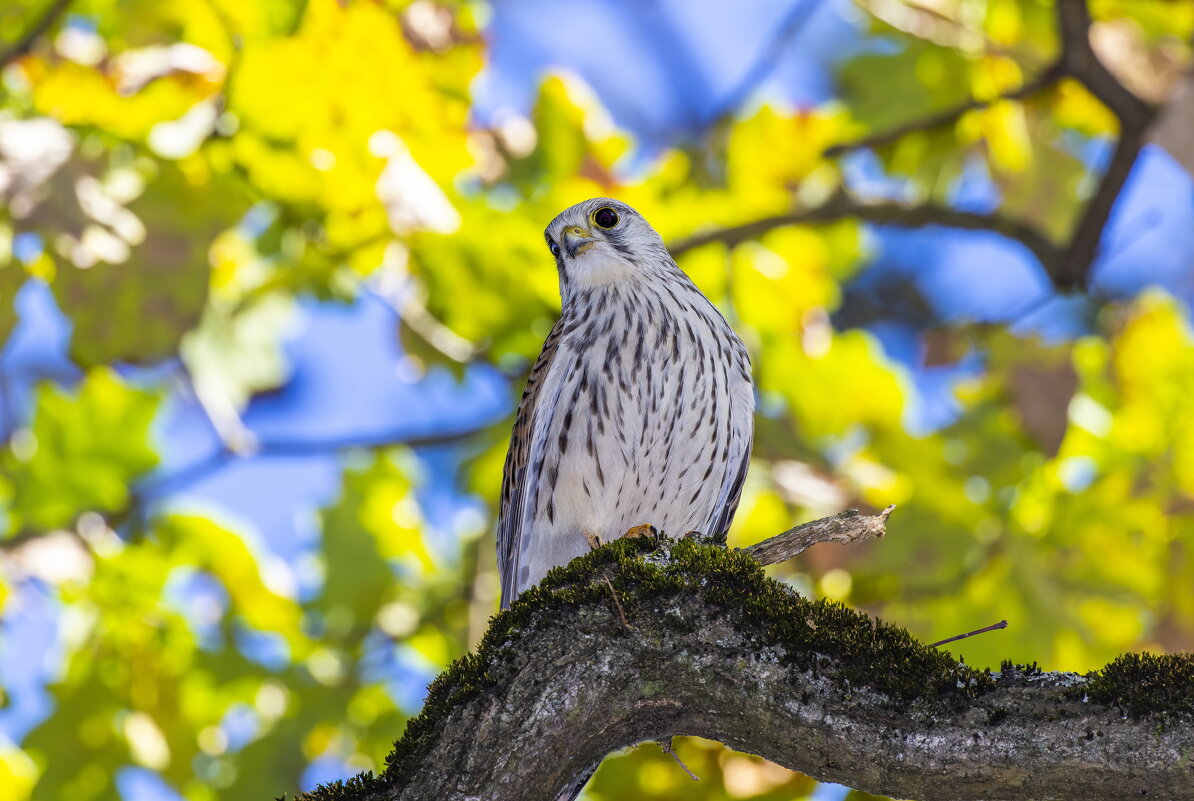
column 598, row 266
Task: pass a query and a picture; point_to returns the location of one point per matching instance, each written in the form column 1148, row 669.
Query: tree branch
column 798, row 15
column 266, row 448
column 1069, row 266
column 717, row 649
column 1072, row 269
column 1046, row 80
column 1135, row 117
column 1073, row 23
column 43, row 23
column 845, row 528
column 154, row 487
column 922, row 215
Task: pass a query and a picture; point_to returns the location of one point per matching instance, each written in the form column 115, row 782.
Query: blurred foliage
column 191, row 169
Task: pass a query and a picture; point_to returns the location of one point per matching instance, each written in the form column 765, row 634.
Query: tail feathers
column 574, row 790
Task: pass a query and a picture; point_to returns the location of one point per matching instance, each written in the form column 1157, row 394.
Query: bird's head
column 602, row 241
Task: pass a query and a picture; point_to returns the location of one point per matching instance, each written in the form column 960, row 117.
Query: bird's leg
column 642, row 531
column 591, row 538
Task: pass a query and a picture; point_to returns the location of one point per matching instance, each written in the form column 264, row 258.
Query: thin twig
column 201, row 468
column 8, row 422
column 798, row 16
column 1077, row 59
column 413, row 313
column 617, row 602
column 844, row 528
column 666, row 746
column 23, row 45
column 1046, row 80
column 1000, row 625
column 153, row 488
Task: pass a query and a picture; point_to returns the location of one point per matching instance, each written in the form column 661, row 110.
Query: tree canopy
column 272, row 275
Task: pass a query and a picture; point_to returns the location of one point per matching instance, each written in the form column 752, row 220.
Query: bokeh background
column 272, row 275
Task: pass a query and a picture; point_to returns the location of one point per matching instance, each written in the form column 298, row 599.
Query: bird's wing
column 520, row 478
column 739, row 461
column 731, row 491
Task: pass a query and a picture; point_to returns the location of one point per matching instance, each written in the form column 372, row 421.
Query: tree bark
column 715, row 648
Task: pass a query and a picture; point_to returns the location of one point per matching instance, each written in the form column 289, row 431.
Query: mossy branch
column 717, row 649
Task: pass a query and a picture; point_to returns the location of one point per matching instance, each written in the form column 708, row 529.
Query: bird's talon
column 593, row 540
column 641, row 531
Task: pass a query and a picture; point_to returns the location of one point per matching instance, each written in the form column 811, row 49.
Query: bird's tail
column 573, row 790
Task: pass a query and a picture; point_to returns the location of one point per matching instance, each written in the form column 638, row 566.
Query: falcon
column 638, row 412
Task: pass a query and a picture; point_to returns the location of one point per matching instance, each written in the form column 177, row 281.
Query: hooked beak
column 576, row 240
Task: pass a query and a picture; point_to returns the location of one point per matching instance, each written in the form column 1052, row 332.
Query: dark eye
column 555, row 249
column 605, row 218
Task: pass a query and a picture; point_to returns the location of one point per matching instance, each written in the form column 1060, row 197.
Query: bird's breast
column 652, row 402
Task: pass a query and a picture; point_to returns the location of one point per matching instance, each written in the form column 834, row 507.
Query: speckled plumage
column 638, row 411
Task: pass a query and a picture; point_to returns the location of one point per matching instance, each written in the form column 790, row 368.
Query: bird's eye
column 605, row 218
column 555, row 248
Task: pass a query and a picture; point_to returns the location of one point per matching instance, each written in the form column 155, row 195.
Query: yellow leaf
column 18, row 774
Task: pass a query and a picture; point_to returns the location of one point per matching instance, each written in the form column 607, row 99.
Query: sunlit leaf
column 82, row 452
column 163, row 282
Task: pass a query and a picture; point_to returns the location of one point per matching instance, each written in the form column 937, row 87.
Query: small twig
column 617, row 602
column 1000, row 625
column 8, row 422
column 412, row 311
column 797, row 17
column 1046, row 80
column 154, row 488
column 23, row 45
column 846, row 527
column 666, row 745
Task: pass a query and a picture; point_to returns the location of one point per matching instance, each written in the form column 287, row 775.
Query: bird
column 639, row 411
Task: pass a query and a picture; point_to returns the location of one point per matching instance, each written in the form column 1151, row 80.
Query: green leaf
column 163, row 284
column 12, row 278
column 82, row 452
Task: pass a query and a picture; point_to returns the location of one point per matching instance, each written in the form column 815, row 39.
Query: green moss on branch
column 853, row 651
column 1146, row 684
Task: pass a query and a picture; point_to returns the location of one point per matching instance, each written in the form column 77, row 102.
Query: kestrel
column 639, row 410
